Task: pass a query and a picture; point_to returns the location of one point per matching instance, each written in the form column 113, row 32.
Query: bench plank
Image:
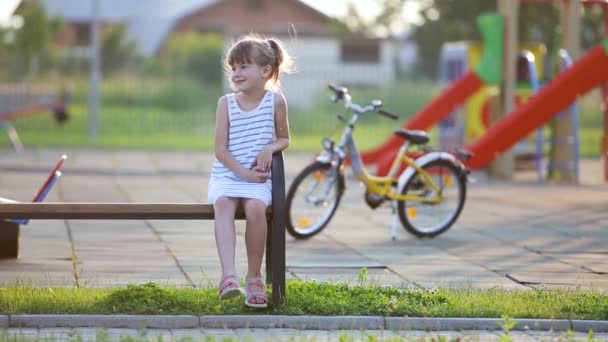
column 110, row 211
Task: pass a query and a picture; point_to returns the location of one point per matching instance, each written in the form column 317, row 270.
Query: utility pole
column 95, row 73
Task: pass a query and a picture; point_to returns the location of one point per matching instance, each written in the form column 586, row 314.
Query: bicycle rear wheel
column 312, row 200
column 431, row 219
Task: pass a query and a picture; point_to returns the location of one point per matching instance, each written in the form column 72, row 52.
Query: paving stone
column 25, row 332
column 55, row 333
column 195, row 334
column 502, row 229
column 110, row 321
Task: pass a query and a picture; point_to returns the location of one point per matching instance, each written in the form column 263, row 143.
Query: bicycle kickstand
column 394, row 222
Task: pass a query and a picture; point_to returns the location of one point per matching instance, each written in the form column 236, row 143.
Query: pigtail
column 283, row 62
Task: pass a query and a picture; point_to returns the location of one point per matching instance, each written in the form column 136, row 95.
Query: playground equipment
column 572, row 140
column 488, row 71
column 18, row 101
column 470, row 121
column 553, row 98
column 465, row 86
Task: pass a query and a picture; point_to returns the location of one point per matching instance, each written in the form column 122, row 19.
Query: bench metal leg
column 269, row 251
column 9, row 240
column 275, row 252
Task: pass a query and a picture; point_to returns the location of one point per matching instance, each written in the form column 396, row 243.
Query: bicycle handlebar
column 388, row 114
column 341, row 93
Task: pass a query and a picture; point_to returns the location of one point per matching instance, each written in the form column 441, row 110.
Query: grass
column 308, row 298
column 150, row 113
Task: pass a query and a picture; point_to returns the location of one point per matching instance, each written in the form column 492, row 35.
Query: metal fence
column 137, row 101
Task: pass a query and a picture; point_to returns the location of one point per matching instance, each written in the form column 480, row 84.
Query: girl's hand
column 264, row 158
column 256, row 175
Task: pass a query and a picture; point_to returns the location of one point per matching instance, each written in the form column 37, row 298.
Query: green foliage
column 29, row 47
column 161, row 112
column 309, row 298
column 445, row 21
column 380, row 25
column 362, row 275
column 151, row 299
column 116, row 50
column 450, row 20
column 193, row 54
column 507, row 325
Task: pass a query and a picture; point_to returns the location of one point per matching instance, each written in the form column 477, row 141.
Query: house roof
column 147, row 21
column 7, row 8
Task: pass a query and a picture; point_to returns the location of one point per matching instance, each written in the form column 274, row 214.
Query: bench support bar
column 9, row 240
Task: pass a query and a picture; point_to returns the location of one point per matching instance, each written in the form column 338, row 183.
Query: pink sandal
column 255, row 292
column 229, row 287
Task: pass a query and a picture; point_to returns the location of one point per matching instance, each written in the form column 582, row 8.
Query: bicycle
column 432, row 187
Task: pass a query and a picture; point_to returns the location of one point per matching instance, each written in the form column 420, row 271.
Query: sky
column 6, row 8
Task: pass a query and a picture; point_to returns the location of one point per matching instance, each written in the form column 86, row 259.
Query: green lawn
column 180, row 114
column 307, row 298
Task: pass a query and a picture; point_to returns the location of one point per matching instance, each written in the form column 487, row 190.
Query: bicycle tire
column 293, row 228
column 402, row 207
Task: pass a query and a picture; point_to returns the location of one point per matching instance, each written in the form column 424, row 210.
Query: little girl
column 251, row 124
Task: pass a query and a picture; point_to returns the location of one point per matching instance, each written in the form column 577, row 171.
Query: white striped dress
column 248, row 133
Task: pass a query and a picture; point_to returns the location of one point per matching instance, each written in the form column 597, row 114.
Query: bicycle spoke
column 425, row 217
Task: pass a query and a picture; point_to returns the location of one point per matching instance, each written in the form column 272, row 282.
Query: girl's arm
column 281, row 124
column 221, row 146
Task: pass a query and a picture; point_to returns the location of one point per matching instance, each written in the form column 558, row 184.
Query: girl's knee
column 224, row 203
column 256, row 205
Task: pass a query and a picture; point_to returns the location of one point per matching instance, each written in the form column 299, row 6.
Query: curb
column 293, row 322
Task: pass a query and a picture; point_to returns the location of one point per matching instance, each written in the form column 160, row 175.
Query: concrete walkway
column 248, row 334
column 292, row 328
column 515, row 235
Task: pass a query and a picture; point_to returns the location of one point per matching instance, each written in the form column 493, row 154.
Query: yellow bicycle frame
column 381, row 186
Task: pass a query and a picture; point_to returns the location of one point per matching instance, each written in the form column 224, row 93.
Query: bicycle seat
column 415, row 137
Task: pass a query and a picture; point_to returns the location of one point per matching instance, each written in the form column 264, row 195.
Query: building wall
column 263, row 16
column 319, row 62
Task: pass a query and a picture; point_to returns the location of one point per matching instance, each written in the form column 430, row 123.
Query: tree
column 444, row 21
column 196, row 55
column 31, row 42
column 453, row 20
column 380, row 25
column 116, row 49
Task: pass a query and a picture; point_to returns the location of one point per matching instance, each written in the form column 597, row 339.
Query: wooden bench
column 275, row 242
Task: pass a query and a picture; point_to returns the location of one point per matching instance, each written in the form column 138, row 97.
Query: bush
column 196, row 55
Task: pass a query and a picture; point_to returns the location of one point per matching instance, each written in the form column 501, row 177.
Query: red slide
column 434, row 112
column 586, row 74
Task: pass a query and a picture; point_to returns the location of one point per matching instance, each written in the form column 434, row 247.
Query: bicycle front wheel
column 431, row 219
column 312, row 200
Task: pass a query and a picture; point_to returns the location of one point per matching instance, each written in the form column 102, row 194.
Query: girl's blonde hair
column 253, row 48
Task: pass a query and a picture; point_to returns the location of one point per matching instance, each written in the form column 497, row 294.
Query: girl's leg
column 225, row 235
column 255, row 235
column 255, row 240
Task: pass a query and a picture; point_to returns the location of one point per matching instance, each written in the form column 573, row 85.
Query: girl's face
column 249, row 76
